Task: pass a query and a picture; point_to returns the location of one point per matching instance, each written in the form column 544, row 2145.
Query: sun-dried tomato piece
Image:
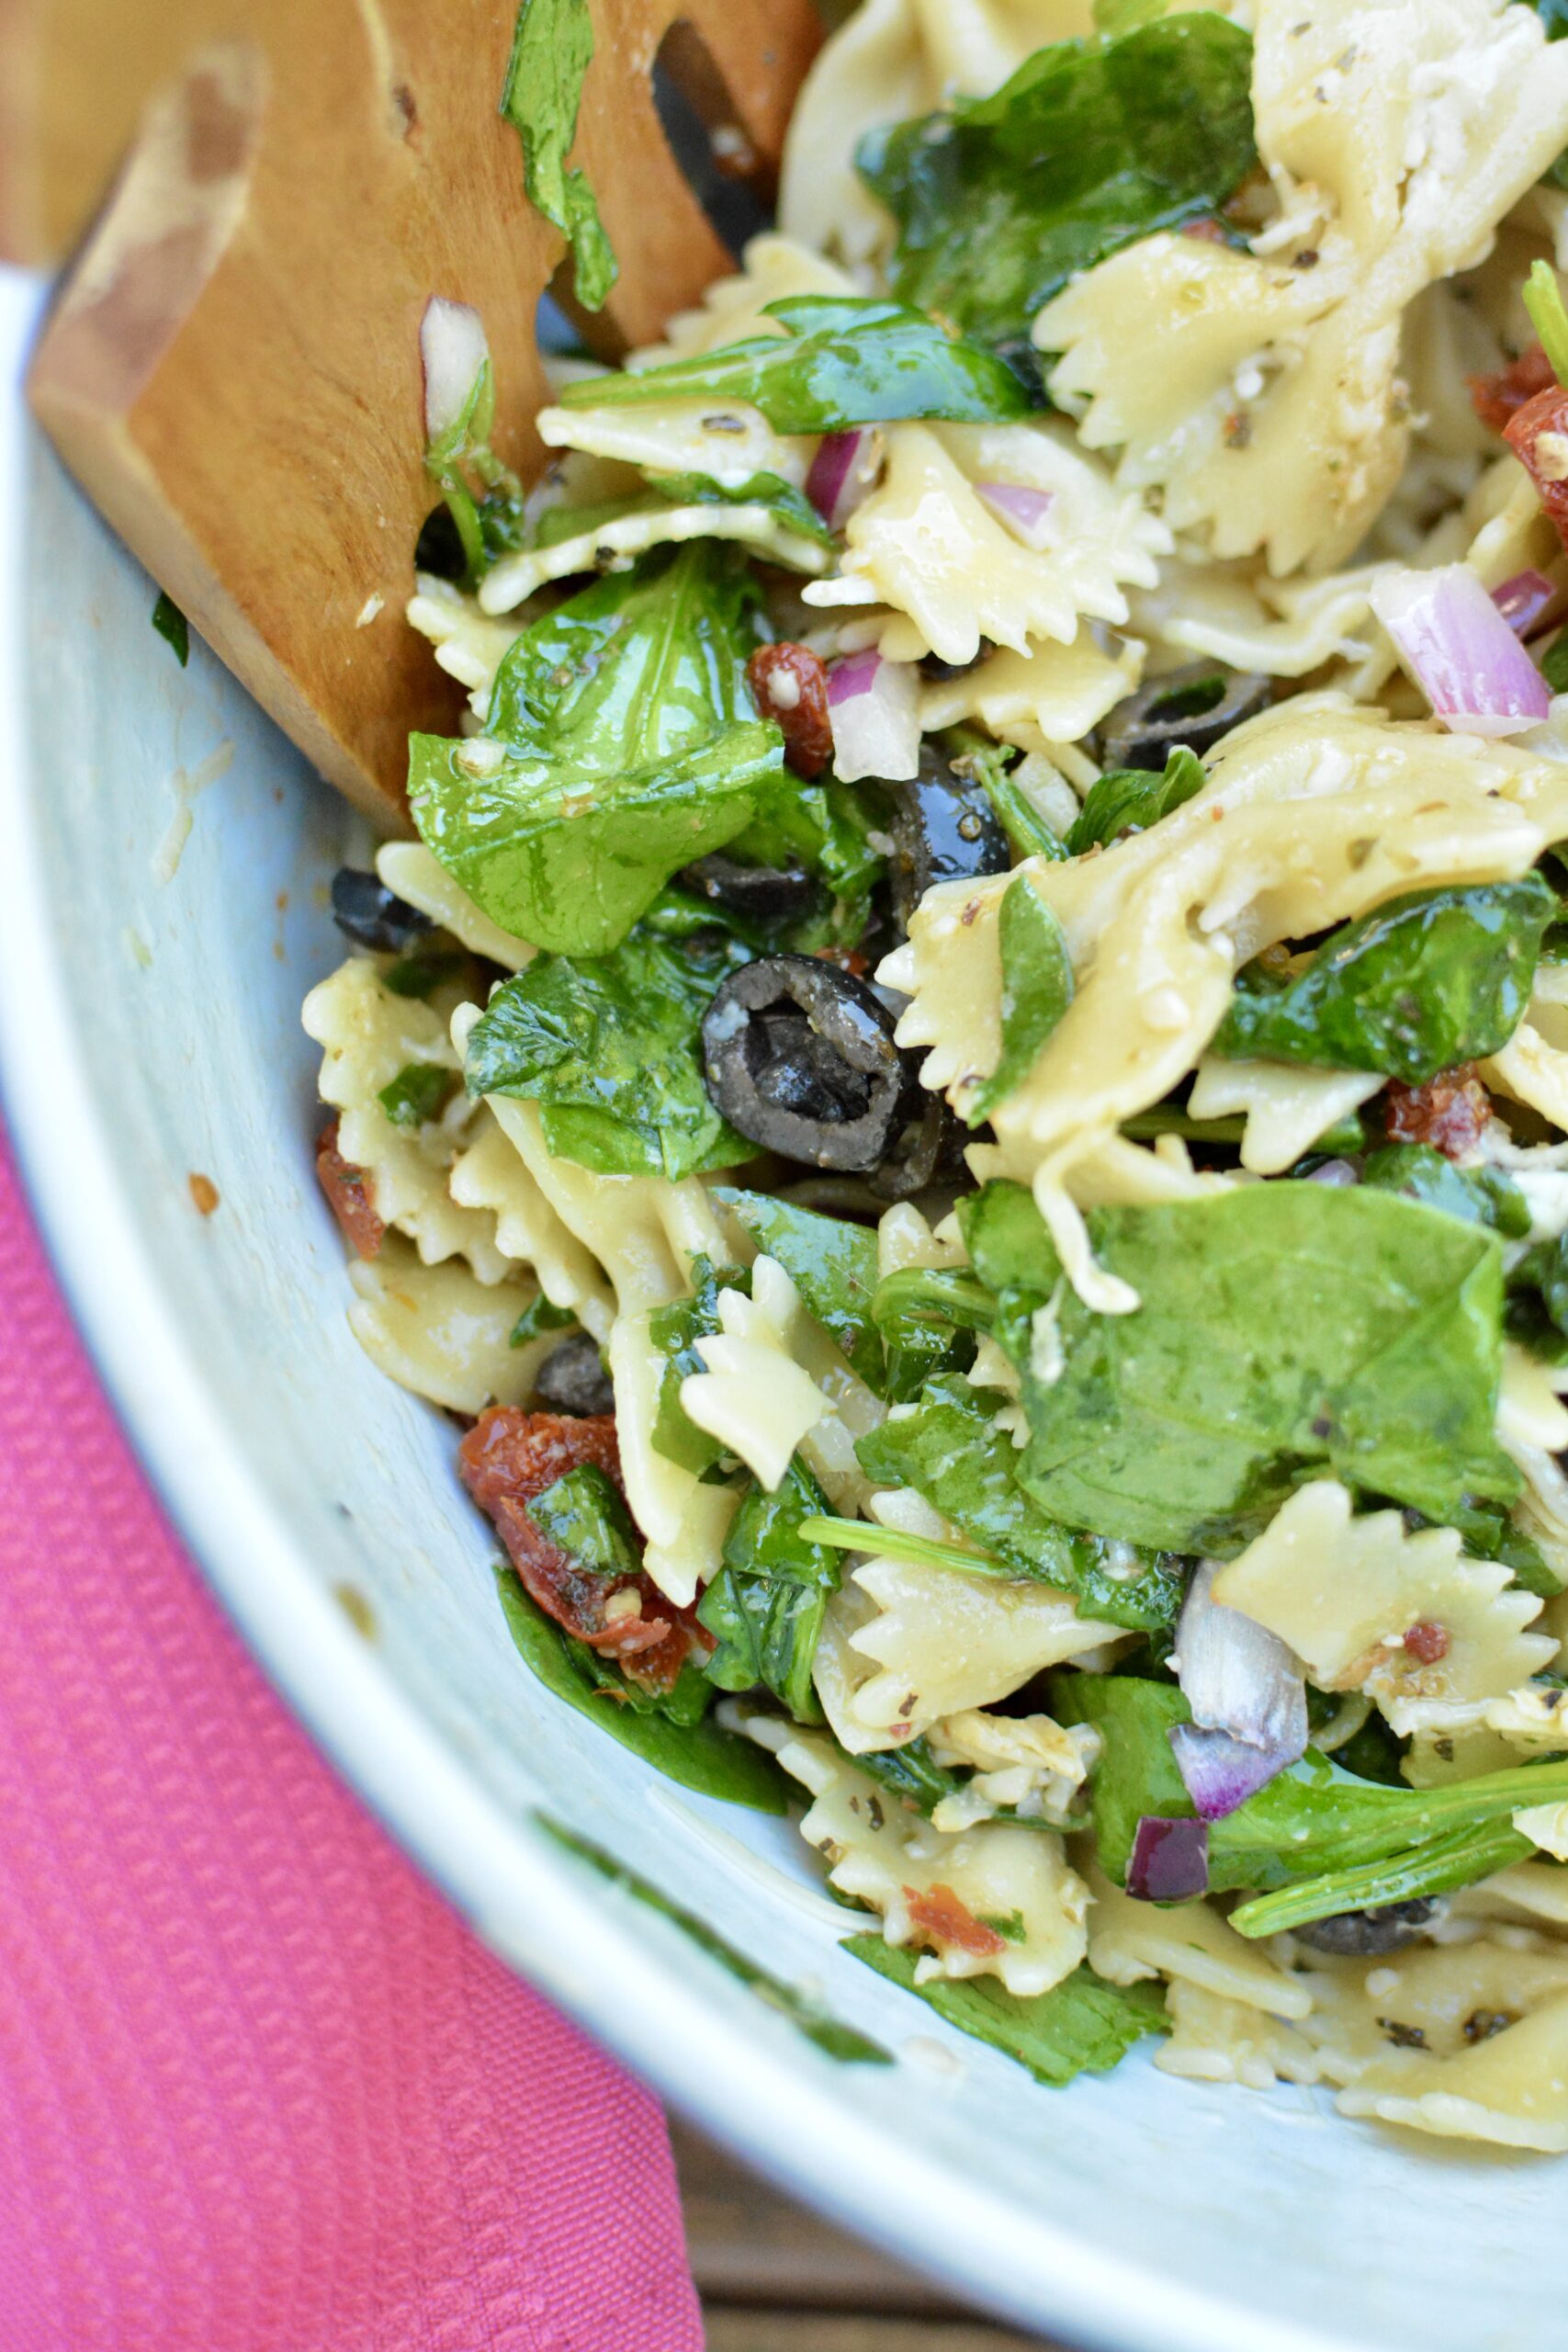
column 939, row 1915
column 1451, row 1112
column 1496, row 400
column 507, row 1459
column 1538, row 435
column 790, row 684
column 1428, row 1643
column 347, row 1189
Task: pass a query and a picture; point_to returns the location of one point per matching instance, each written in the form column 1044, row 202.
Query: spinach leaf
column 1089, row 146
column 1113, row 17
column 583, row 1514
column 989, row 764
column 484, row 497
column 910, row 1774
column 1439, row 1867
column 1283, row 1327
column 827, row 828
column 418, row 1091
column 951, row 1451
column 675, row 1329
column 552, row 48
column 833, row 1265
column 1428, row 980
column 1305, row 1829
column 842, row 359
column 1037, row 987
column 610, row 1047
column 173, row 627
column 841, row 2041
column 1082, row 2026
column 628, row 750
column 1131, row 799
column 765, row 1606
column 1554, row 14
column 788, row 506
column 1481, row 1195
column 699, row 1754
column 538, row 1317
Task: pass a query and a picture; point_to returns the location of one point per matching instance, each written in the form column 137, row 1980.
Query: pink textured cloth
column 260, row 2088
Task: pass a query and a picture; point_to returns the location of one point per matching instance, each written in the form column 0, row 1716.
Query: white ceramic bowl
column 150, row 1029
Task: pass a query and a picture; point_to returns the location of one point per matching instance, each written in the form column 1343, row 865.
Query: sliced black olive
column 572, row 1379
column 930, row 1149
column 945, row 829
column 764, row 893
column 939, row 672
column 798, row 1056
column 1365, row 1935
column 374, row 916
column 1195, row 705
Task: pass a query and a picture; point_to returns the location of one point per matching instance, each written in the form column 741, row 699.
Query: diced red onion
column 843, row 470
column 1170, row 1861
column 452, row 346
column 874, row 708
column 1025, row 511
column 1523, row 599
column 1220, row 1772
column 1461, row 651
column 1335, row 1171
column 1237, row 1676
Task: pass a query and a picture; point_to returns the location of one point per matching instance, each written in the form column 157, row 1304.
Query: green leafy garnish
column 1554, row 14
column 628, row 748
column 1130, row 800
column 765, row 1607
column 1090, row 146
column 951, row 1451
column 674, row 1331
column 418, row 1091
column 484, row 497
column 1481, row 1195
column 841, row 2041
column 1113, row 18
column 1283, row 1328
column 989, row 764
column 1543, row 301
column 1428, row 981
column 552, row 48
column 538, row 1318
column 699, row 1754
column 833, row 1266
column 789, row 507
column 610, row 1047
column 1037, row 987
column 842, row 359
column 1082, row 2026
column 173, row 627
column 428, row 964
column 584, row 1515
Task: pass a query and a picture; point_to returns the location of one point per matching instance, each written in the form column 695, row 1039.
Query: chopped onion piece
column 1170, row 1861
column 1461, row 651
column 843, row 470
column 1220, row 1772
column 1523, row 599
column 1237, row 1676
column 874, row 708
column 1024, row 511
column 454, row 349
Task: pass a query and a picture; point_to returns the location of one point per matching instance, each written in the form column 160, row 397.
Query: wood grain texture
column 232, row 368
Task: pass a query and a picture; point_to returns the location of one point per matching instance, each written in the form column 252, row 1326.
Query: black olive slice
column 572, row 1379
column 798, row 1056
column 1196, row 706
column 945, row 829
column 1364, row 1935
column 765, row 893
column 930, row 1151
column 373, row 916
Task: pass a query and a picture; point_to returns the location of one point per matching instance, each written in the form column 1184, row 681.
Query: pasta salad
column 965, row 1089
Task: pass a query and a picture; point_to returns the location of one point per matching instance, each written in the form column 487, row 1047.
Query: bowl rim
column 528, row 1901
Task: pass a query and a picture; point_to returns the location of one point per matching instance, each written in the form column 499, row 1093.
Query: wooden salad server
column 231, row 369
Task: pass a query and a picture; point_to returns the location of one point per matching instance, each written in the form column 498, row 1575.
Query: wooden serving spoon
column 232, row 370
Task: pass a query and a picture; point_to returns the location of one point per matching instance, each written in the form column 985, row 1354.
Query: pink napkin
column 260, row 2088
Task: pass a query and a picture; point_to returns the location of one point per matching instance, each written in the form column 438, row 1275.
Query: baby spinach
column 842, row 359
column 584, row 1515
column 833, row 1265
column 1037, row 987
column 552, row 48
column 1481, row 1195
column 1428, row 980
column 789, row 507
column 484, row 497
column 610, row 1047
column 765, row 1607
column 173, row 627
column 538, row 1318
column 1130, row 800
column 1083, row 2026
column 1284, row 1329
column 696, row 1753
column 628, row 748
column 418, row 1092
column 1089, row 146
column 971, row 753
column 674, row 1331
column 950, row 1450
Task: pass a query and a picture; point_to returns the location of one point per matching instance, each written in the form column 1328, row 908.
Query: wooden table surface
column 774, row 2278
